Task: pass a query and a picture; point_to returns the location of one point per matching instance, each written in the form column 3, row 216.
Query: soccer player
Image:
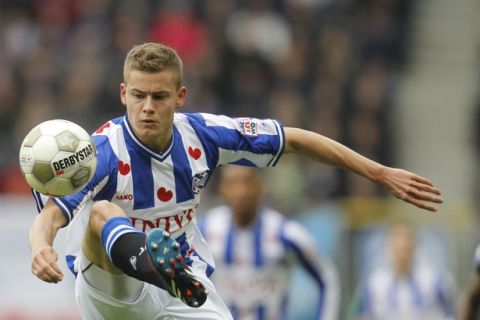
column 471, row 305
column 259, row 246
column 138, row 251
column 406, row 288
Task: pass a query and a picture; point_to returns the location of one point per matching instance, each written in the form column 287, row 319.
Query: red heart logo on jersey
column 123, row 168
column 194, row 153
column 164, row 194
column 105, row 126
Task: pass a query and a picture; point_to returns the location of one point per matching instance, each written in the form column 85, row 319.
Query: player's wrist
column 41, row 248
column 378, row 174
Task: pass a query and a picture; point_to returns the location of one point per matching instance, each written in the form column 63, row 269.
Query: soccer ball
column 58, row 158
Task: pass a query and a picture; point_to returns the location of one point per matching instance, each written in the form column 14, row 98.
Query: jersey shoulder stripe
column 182, row 170
column 228, row 140
column 207, row 138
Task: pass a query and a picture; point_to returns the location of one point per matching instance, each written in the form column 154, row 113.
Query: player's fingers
column 426, row 187
column 51, row 258
column 424, row 196
column 420, row 204
column 56, row 268
column 47, row 275
column 422, row 180
column 49, row 272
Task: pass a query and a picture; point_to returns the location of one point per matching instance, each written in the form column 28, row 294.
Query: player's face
column 242, row 190
column 402, row 247
column 151, row 100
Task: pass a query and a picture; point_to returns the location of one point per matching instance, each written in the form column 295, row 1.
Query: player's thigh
column 104, row 296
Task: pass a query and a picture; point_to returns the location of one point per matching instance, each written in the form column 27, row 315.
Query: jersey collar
column 130, row 135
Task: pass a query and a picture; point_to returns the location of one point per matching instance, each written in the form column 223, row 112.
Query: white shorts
column 101, row 295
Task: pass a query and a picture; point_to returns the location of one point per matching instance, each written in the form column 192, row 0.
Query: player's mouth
column 148, row 122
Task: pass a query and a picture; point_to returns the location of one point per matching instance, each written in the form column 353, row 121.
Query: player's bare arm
column 42, row 234
column 403, row 184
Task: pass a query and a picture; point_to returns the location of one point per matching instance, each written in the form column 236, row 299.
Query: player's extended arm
column 403, row 184
column 42, row 234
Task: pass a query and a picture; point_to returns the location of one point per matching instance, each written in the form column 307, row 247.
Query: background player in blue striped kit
column 471, row 304
column 261, row 247
column 406, row 286
column 153, row 164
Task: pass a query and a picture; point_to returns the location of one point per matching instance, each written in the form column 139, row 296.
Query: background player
column 153, row 164
column 406, row 288
column 471, row 305
column 259, row 246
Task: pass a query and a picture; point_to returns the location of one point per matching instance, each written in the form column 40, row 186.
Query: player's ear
column 123, row 93
column 181, row 97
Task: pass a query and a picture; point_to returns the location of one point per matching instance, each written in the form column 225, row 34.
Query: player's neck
column 245, row 219
column 403, row 271
column 161, row 142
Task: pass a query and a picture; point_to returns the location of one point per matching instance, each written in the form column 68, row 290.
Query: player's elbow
column 293, row 139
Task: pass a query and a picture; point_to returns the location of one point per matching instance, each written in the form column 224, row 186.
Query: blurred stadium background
column 397, row 80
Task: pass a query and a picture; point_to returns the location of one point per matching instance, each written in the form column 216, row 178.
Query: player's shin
column 125, row 246
column 154, row 258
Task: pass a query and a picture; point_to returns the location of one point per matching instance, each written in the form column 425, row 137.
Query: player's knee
column 102, row 211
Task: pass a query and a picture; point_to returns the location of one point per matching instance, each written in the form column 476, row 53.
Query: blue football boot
column 164, row 254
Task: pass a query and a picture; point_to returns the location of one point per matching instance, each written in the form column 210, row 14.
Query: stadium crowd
column 325, row 65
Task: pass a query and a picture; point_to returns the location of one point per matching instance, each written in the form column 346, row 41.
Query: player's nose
column 148, row 104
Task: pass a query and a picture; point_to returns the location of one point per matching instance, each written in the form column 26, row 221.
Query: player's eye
column 160, row 96
column 138, row 95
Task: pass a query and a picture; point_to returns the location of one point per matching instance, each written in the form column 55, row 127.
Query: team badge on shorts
column 247, row 127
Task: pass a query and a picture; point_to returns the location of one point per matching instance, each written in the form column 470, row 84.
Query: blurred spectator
column 176, row 24
column 251, row 79
column 258, row 29
column 406, row 287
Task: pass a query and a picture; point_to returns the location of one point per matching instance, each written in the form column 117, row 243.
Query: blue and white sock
column 125, row 246
column 113, row 229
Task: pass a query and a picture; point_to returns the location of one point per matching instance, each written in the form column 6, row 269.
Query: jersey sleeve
column 297, row 239
column 243, row 141
column 102, row 186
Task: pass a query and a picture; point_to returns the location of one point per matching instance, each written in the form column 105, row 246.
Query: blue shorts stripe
column 70, row 259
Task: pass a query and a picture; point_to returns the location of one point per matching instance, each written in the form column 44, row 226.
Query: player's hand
column 411, row 188
column 45, row 266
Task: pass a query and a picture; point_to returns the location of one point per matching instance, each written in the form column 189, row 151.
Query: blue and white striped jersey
column 163, row 189
column 426, row 294
column 254, row 265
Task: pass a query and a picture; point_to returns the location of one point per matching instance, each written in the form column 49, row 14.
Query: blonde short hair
column 153, row 57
